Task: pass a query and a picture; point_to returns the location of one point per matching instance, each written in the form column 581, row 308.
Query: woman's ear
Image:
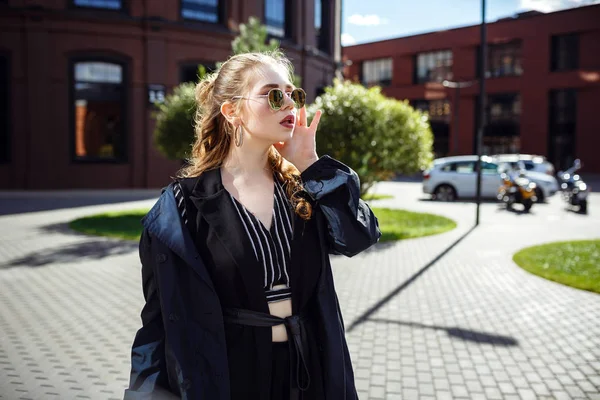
column 228, row 111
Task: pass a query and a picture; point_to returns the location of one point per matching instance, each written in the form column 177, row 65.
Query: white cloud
column 347, row 39
column 367, row 20
column 554, row 5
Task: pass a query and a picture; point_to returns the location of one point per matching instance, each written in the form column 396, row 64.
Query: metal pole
column 482, row 69
column 455, row 124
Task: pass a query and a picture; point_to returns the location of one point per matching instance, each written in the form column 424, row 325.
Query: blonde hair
column 214, row 134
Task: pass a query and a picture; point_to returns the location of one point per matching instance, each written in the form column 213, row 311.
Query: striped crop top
column 272, row 247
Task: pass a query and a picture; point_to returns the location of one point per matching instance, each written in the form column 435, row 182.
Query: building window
column 190, row 72
column 561, row 135
column 502, row 132
column 439, row 113
column 104, row 4
column 4, row 110
column 99, row 111
column 564, row 52
column 433, row 67
column 503, row 60
column 377, row 72
column 276, row 12
column 438, row 110
column 322, row 10
column 201, row 10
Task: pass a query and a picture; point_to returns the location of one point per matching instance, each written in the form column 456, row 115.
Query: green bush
column 174, row 130
column 376, row 136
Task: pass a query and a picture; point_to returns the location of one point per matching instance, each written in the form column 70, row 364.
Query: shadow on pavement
column 464, row 334
column 75, row 253
column 406, row 284
column 53, row 201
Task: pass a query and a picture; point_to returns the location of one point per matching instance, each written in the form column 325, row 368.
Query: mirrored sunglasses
column 276, row 98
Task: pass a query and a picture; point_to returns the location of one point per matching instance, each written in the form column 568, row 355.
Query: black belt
column 295, row 325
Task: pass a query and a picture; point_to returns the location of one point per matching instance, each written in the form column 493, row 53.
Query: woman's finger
column 315, row 121
column 303, row 116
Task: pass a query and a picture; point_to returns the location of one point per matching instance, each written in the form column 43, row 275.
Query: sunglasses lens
column 299, row 97
column 275, row 99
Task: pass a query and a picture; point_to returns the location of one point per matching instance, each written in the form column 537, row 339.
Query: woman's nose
column 288, row 103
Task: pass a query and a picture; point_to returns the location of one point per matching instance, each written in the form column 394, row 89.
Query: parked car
column 456, row 177
column 531, row 162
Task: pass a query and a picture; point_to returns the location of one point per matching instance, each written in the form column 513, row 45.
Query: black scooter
column 574, row 189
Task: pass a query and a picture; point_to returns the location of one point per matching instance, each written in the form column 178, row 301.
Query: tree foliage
column 374, row 135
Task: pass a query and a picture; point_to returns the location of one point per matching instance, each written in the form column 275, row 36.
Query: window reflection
column 504, row 59
column 200, row 10
column 107, row 4
column 434, row 66
column 275, row 17
column 99, row 111
column 377, row 72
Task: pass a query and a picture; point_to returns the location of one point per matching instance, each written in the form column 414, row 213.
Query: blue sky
column 371, row 20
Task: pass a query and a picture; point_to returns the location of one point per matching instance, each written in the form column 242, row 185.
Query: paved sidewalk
column 447, row 316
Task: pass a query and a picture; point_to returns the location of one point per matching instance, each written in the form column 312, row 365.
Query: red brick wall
column 534, row 85
column 42, row 36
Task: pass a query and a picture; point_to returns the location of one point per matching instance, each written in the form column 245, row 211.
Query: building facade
column 79, row 78
column 542, row 86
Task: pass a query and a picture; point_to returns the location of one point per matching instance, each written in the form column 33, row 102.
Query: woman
column 240, row 300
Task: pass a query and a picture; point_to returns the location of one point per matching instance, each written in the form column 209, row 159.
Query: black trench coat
column 180, row 351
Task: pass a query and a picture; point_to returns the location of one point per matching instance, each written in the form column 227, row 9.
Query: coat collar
column 215, row 205
column 163, row 221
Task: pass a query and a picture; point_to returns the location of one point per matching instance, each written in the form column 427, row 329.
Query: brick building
column 543, row 85
column 77, row 78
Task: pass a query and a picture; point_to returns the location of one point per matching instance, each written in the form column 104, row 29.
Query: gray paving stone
column 57, row 287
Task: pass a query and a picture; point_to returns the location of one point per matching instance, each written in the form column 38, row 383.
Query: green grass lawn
column 394, row 224
column 402, row 224
column 575, row 263
column 121, row 224
column 374, row 196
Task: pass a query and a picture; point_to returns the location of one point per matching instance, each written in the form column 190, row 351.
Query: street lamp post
column 482, row 72
column 455, row 109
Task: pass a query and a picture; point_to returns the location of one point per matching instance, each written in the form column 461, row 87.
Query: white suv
column 454, row 177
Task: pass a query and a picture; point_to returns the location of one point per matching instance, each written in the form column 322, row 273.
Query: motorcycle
column 574, row 190
column 517, row 189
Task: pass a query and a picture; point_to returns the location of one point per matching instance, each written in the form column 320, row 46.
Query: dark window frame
column 382, row 83
column 221, row 13
column 555, row 58
column 323, row 37
column 125, row 64
column 288, row 22
column 123, row 9
column 6, row 154
column 418, row 80
column 502, row 123
column 491, row 47
column 209, row 65
column 556, row 128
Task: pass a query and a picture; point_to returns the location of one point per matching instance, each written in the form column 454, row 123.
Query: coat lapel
column 216, row 207
column 163, row 221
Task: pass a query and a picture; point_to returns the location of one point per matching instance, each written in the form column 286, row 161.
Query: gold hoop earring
column 238, row 139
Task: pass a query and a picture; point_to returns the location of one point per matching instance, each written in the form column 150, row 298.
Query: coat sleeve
column 148, row 378
column 335, row 188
